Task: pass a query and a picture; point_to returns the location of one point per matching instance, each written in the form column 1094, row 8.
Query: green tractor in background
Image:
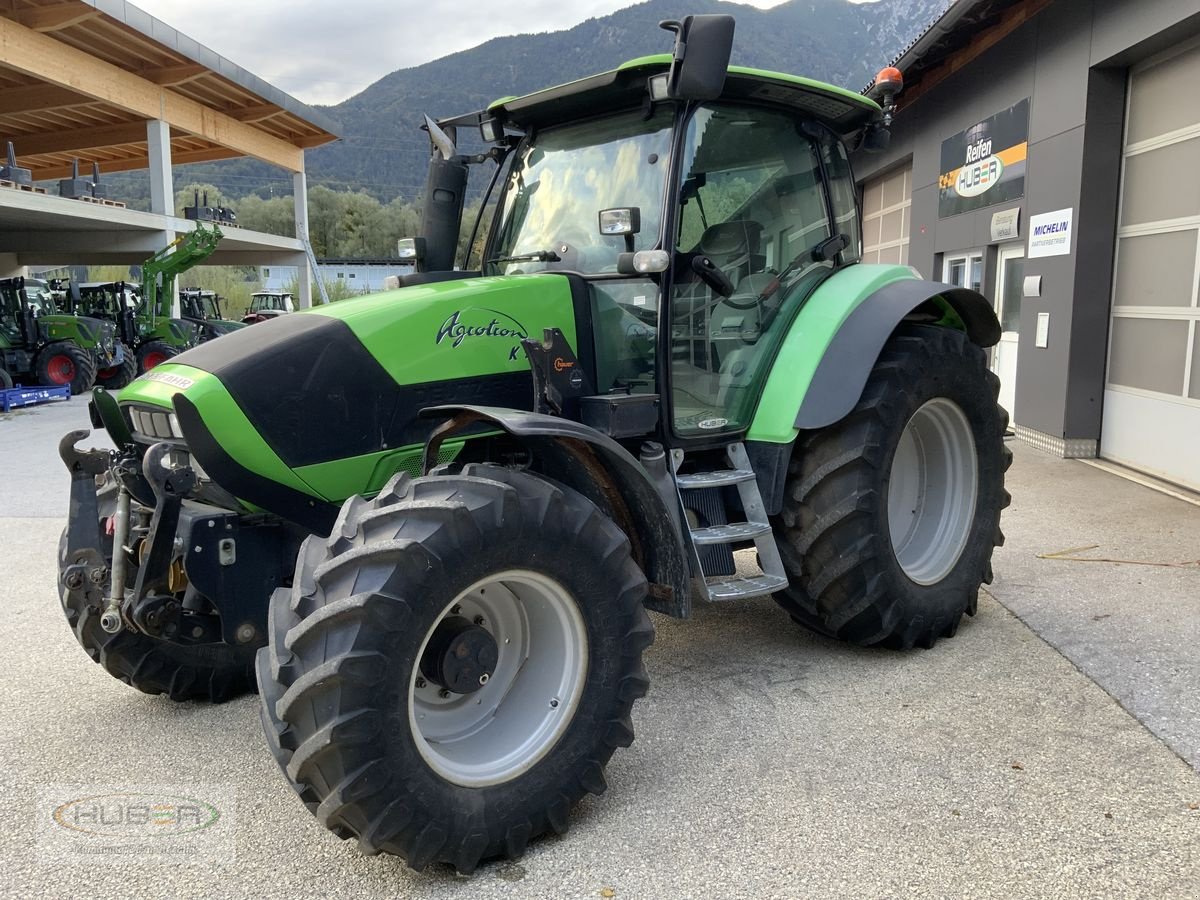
column 143, row 313
column 39, row 345
column 430, row 522
column 203, row 309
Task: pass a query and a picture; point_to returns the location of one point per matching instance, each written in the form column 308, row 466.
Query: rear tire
column 63, row 363
column 359, row 724
column 880, row 534
column 154, row 353
column 213, row 672
column 117, row 377
column 5, row 380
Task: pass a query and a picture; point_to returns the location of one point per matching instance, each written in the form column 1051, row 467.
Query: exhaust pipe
column 110, row 619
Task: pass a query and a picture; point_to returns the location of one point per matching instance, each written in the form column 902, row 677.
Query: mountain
column 384, row 152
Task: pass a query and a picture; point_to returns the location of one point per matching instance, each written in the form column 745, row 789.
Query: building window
column 266, row 273
column 352, row 275
column 341, row 275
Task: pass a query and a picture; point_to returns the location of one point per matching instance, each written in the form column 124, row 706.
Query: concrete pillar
column 303, row 273
column 162, row 184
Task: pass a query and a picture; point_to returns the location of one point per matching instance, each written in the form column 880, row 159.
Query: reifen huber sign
column 985, row 164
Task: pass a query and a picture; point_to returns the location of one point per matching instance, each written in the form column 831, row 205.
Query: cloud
column 323, row 52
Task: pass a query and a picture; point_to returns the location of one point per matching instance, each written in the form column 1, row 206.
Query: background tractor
column 266, row 305
column 429, row 523
column 203, row 309
column 40, row 345
column 142, row 312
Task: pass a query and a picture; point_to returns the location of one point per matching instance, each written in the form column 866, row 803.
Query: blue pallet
column 27, row 396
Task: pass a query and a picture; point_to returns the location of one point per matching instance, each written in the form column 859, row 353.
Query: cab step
column 737, row 588
column 719, row 478
column 713, row 565
column 728, row 534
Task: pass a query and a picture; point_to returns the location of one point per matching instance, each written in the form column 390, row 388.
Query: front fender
column 835, row 339
column 604, row 472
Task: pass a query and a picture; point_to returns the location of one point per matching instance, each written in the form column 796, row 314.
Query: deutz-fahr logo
column 479, row 322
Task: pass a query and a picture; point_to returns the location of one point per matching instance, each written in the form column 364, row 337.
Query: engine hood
column 302, row 392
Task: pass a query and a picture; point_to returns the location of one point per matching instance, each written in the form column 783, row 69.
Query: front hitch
column 170, row 485
column 83, row 524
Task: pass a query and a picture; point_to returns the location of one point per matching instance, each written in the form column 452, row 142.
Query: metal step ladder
column 756, row 528
column 315, row 268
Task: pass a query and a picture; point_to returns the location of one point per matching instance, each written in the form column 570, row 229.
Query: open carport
column 102, row 81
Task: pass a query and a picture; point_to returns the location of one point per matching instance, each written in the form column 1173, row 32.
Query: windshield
column 260, row 302
column 565, row 176
column 206, row 307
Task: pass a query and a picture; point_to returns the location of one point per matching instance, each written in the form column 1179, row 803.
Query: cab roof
column 842, row 110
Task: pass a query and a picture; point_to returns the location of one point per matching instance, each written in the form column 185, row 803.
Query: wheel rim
column 153, row 359
column 932, row 491
column 61, row 369
column 497, row 732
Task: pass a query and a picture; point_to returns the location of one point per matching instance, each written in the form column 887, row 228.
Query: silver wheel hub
column 499, row 678
column 932, row 490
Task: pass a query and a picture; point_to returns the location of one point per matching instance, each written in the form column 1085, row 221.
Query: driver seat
column 734, row 247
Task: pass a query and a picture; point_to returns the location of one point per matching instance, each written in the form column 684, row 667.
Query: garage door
column 887, row 200
column 1152, row 390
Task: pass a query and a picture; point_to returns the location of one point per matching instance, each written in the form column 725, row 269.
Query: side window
column 843, row 195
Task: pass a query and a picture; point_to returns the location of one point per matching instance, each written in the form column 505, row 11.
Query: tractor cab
column 696, row 206
column 203, row 309
column 266, row 305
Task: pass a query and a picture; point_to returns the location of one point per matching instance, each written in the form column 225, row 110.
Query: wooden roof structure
column 79, row 79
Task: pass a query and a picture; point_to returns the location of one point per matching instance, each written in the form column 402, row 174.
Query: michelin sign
column 985, row 164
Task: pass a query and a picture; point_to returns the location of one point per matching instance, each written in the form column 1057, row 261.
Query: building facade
column 1047, row 153
column 360, row 276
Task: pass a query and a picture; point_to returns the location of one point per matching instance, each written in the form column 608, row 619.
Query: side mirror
column 701, row 57
column 411, row 249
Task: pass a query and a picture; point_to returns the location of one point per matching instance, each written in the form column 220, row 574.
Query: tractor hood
column 291, row 396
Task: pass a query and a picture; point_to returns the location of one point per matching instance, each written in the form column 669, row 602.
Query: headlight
column 173, row 421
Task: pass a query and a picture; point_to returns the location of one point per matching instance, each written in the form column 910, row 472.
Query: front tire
column 116, row 377
column 63, row 363
column 212, row 672
column 890, row 515
column 382, row 724
column 154, row 353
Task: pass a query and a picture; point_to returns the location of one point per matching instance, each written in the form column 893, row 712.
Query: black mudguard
column 848, row 360
column 608, row 475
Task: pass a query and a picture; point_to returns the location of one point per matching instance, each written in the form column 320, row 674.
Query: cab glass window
column 752, row 208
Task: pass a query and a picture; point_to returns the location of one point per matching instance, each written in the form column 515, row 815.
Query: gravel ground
column 769, row 762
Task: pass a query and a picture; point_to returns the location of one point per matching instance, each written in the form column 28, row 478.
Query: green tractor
column 143, row 312
column 203, row 309
column 428, row 524
column 40, row 345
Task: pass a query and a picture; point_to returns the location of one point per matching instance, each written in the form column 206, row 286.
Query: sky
column 323, row 52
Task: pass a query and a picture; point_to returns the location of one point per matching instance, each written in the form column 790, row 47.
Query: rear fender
column 604, row 472
column 835, row 339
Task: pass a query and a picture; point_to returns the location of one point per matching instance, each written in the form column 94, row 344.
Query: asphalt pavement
column 768, row 762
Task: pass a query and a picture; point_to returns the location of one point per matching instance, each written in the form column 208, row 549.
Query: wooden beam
column 80, row 138
column 60, row 64
column 39, row 98
column 168, row 76
column 55, row 18
column 133, row 163
column 258, row 113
